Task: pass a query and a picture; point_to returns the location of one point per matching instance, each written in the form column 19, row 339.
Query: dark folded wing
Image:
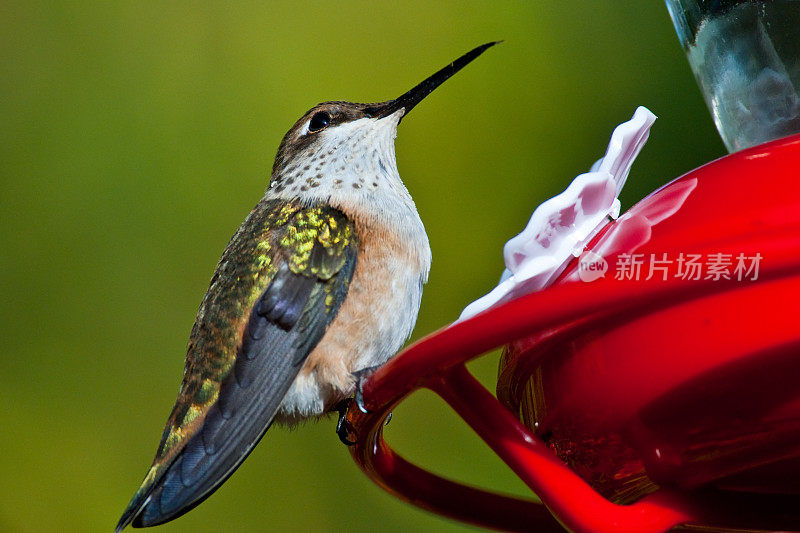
column 314, row 259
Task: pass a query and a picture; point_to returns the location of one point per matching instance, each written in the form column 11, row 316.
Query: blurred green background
column 135, row 138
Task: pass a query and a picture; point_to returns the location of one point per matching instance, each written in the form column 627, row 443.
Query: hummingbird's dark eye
column 318, row 121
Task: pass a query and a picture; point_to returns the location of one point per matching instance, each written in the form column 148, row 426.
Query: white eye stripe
column 304, row 129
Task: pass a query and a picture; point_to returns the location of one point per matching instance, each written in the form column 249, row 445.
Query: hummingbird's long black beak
column 415, row 95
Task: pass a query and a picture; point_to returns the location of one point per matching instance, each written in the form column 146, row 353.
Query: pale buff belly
column 374, row 321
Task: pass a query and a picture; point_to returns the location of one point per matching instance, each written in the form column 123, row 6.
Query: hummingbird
column 320, row 285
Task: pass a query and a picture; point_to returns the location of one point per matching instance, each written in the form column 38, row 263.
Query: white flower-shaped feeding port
column 560, row 228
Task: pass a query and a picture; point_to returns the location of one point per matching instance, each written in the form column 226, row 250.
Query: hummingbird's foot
column 343, row 428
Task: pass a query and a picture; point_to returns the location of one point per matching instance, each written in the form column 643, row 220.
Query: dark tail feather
column 167, row 499
column 170, row 499
column 139, row 502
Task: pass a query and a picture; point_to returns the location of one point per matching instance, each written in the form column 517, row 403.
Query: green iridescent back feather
column 312, row 241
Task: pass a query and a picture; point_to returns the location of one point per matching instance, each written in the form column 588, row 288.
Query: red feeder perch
column 633, row 405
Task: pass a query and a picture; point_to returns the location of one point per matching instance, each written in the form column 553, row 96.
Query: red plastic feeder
column 634, row 404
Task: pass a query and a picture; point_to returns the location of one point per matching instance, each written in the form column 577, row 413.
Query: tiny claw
column 343, row 428
column 359, row 399
column 361, row 376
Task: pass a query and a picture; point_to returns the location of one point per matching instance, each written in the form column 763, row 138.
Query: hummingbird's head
column 344, row 148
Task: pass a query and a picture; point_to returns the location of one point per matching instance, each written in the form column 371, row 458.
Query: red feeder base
column 633, row 405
